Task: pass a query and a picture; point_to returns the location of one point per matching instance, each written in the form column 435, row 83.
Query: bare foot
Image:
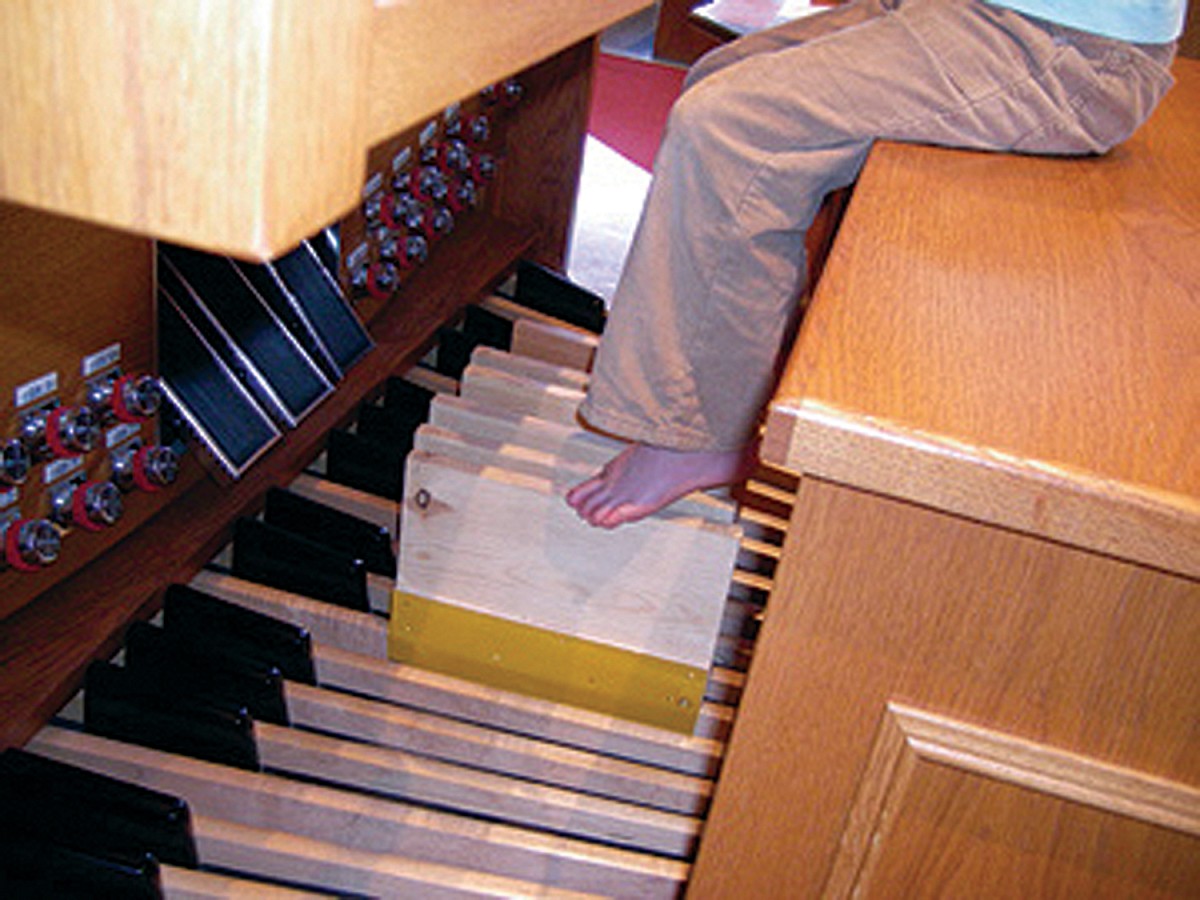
column 642, row 479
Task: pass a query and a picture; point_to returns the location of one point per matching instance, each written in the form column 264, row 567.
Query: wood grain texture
column 959, row 834
column 1015, row 353
column 881, row 601
column 1024, row 347
column 574, row 444
column 375, row 838
column 426, row 54
column 243, row 127
column 554, row 344
column 657, row 587
column 911, row 740
column 517, row 394
column 483, row 748
column 527, row 367
column 195, row 122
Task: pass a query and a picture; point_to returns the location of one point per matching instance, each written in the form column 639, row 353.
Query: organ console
column 957, row 656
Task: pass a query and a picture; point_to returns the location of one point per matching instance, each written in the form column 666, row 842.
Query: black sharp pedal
column 91, row 813
column 402, row 394
column 118, row 705
column 364, row 464
column 180, row 666
column 394, row 427
column 280, row 559
column 333, row 528
column 484, row 327
column 549, row 292
column 37, row 870
column 453, row 352
column 208, row 620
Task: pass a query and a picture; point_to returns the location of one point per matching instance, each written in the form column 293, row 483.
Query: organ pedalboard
column 259, row 736
column 275, row 730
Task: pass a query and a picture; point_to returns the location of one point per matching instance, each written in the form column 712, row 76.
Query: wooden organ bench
column 978, row 673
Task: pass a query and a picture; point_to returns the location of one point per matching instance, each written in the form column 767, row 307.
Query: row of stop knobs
column 64, row 432
column 420, row 208
column 420, row 204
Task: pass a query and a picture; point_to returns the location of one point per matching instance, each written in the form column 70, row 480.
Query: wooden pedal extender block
column 500, row 583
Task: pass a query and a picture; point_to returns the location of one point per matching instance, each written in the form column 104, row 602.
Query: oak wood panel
column 883, row 601
column 1015, row 338
column 992, row 406
column 946, row 807
column 951, row 832
column 428, row 53
column 243, row 127
column 188, row 121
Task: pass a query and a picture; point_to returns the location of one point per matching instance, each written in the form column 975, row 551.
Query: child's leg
column 689, row 354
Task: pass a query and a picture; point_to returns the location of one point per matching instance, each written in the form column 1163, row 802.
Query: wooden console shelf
column 977, row 674
column 243, row 127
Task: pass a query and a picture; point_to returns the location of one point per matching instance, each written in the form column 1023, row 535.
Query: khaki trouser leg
column 765, row 129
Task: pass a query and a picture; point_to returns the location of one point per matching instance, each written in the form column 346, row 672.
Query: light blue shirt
column 1138, row 21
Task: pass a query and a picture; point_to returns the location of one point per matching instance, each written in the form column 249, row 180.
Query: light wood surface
column 554, row 344
column 574, row 444
column 501, row 389
column 882, row 602
column 351, row 655
column 656, row 588
column 426, row 54
column 977, row 672
column 242, row 127
column 350, row 837
column 347, row 761
column 530, row 367
column 189, row 121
